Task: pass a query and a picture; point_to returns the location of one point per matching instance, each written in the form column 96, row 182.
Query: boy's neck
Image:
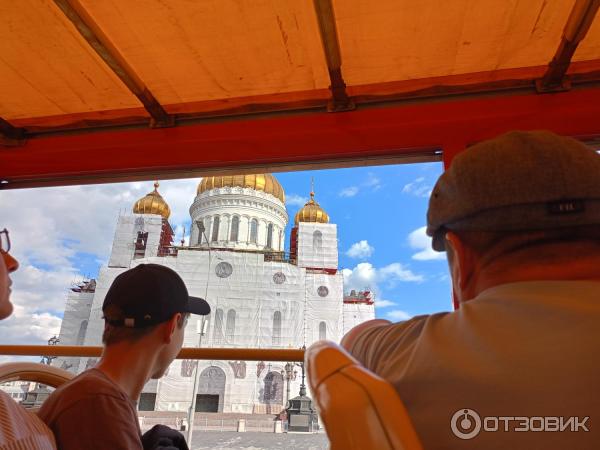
column 129, row 366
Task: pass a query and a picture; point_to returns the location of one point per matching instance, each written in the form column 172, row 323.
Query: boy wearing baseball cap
column 514, row 366
column 145, row 312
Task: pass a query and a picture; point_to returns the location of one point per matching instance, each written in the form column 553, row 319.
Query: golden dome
column 153, row 203
column 259, row 182
column 311, row 212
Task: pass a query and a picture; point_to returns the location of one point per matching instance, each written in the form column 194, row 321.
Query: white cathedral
column 260, row 296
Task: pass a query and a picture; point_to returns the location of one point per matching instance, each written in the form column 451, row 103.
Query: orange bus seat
column 28, row 371
column 360, row 410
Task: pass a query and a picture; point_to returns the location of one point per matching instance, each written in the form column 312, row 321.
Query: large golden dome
column 153, row 203
column 311, row 212
column 259, row 182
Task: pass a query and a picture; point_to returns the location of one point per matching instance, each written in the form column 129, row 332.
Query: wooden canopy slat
column 579, row 22
column 98, row 40
column 331, row 46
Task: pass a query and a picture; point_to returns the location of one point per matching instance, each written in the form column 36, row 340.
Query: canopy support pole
column 94, row 35
column 579, row 22
column 331, row 46
column 10, row 136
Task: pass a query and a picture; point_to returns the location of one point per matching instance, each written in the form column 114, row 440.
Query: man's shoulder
column 92, row 382
column 85, row 389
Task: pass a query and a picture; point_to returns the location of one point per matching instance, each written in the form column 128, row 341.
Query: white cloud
column 419, row 240
column 419, row 188
column 27, row 327
column 371, row 182
column 367, row 277
column 295, row 200
column 383, row 303
column 398, row 315
column 360, row 250
column 349, row 191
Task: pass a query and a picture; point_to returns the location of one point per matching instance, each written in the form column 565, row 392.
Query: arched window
column 215, row 229
column 253, row 231
column 218, row 330
column 277, row 328
column 235, row 229
column 230, row 327
column 322, row 330
column 140, row 244
column 273, row 389
column 81, row 334
column 317, row 241
column 270, row 236
column 200, row 225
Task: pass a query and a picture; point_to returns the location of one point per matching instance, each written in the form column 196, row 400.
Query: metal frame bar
column 233, row 354
column 579, row 22
column 292, row 142
column 102, row 45
column 331, row 46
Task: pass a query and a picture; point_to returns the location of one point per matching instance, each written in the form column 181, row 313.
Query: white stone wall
column 355, row 313
column 324, row 297
column 126, row 234
column 246, row 204
column 317, row 245
column 73, row 327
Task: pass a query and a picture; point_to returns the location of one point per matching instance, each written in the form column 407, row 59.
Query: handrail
column 235, row 354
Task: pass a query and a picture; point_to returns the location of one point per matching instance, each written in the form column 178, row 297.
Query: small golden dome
column 153, row 203
column 259, row 182
column 311, row 212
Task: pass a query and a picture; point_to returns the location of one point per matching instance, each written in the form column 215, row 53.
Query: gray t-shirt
column 517, row 351
column 92, row 412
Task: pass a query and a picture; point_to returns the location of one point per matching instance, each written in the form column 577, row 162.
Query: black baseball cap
column 149, row 294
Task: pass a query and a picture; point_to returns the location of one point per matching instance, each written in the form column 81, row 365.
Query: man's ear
column 169, row 327
column 461, row 260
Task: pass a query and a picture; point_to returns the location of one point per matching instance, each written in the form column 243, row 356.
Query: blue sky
column 382, row 205
column 61, row 235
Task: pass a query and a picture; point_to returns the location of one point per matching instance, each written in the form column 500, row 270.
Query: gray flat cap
column 517, row 181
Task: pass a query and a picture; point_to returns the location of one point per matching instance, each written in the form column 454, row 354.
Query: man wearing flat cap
column 516, row 364
column 145, row 312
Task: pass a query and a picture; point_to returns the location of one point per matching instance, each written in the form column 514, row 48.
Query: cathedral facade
column 260, row 296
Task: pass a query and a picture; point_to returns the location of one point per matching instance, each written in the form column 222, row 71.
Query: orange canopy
column 106, row 90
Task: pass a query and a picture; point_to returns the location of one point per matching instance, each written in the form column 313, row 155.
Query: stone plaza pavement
column 226, row 440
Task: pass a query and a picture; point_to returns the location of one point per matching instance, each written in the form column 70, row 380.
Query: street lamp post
column 201, row 329
column 300, row 412
column 290, row 375
column 54, row 340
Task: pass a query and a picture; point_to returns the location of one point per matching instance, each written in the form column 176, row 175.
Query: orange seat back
column 360, row 410
column 29, row 371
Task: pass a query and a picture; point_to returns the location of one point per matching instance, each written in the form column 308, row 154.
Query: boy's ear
column 169, row 327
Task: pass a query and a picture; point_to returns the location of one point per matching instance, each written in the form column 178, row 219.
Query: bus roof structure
column 112, row 91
